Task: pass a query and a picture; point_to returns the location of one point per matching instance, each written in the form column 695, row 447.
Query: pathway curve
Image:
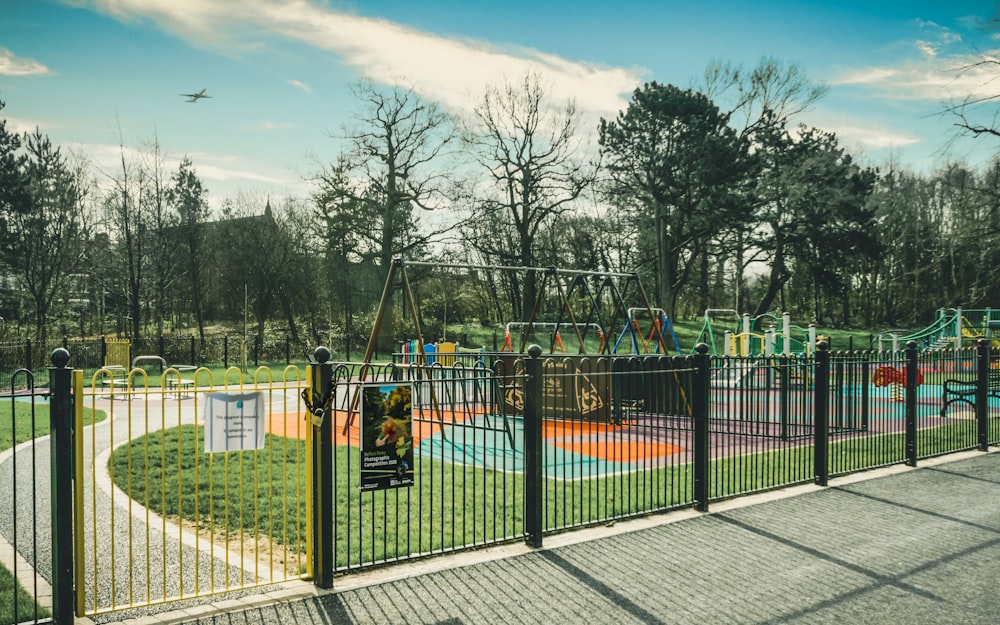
column 135, row 556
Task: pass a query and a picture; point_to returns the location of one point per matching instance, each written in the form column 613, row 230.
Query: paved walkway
column 900, row 546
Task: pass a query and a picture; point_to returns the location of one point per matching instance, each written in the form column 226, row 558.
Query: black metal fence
column 493, row 448
column 26, row 539
column 217, row 350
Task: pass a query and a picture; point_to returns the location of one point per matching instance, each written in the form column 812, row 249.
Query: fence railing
column 25, row 538
column 401, row 461
column 217, row 350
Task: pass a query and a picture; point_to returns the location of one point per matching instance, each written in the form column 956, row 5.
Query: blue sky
column 94, row 73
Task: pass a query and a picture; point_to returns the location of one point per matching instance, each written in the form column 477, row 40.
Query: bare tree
column 128, row 223
column 535, row 169
column 163, row 260
column 974, row 117
column 395, row 168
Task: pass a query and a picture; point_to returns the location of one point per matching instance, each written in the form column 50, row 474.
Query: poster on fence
column 386, row 436
column 234, row 421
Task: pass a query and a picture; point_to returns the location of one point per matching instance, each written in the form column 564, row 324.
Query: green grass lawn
column 450, row 506
column 26, row 608
column 18, row 423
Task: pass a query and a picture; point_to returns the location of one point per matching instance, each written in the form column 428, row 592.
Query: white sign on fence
column 234, row 421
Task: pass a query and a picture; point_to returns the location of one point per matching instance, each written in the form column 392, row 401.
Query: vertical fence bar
column 821, row 402
column 78, row 483
column 982, row 394
column 533, row 469
column 322, row 468
column 911, row 403
column 62, row 447
column 699, row 413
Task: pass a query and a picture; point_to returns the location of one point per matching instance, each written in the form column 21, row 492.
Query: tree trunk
column 777, row 277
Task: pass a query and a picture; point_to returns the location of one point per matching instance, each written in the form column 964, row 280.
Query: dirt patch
column 284, row 563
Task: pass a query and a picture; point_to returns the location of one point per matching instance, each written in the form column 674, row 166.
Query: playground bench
column 182, row 386
column 964, row 391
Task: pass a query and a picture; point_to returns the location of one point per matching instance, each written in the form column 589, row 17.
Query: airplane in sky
column 194, row 97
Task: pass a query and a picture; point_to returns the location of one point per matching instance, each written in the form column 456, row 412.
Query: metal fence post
column 911, row 403
column 322, row 470
column 699, row 412
column 821, row 404
column 982, row 393
column 533, row 467
column 61, row 449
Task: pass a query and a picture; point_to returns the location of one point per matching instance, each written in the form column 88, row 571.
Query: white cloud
column 265, row 125
column 19, row 126
column 450, row 71
column 11, row 65
column 107, row 158
column 873, row 137
column 300, row 85
column 932, row 73
column 935, row 79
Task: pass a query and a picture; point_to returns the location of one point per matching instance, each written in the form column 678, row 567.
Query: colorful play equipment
column 648, row 338
column 555, row 342
column 755, row 336
column 895, row 378
column 951, row 328
column 445, row 353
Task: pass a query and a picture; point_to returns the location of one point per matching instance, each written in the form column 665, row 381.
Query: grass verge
column 16, row 605
column 450, row 506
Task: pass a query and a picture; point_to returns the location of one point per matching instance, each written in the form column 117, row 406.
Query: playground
column 595, row 424
column 611, row 418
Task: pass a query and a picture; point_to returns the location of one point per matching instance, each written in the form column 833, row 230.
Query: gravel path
column 131, row 556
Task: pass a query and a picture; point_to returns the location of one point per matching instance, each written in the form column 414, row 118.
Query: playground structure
column 757, row 336
column 590, row 307
column 953, row 328
column 641, row 340
column 554, row 339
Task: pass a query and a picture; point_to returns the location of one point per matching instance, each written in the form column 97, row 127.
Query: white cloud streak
column 933, row 74
column 937, row 79
column 20, row 126
column 449, row 71
column 12, row 65
column 873, row 138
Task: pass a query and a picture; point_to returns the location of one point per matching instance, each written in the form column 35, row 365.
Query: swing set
column 640, row 340
column 596, row 293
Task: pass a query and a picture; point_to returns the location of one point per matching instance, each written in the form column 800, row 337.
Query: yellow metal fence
column 192, row 485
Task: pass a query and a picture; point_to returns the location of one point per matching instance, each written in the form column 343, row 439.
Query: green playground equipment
column 764, row 335
column 952, row 328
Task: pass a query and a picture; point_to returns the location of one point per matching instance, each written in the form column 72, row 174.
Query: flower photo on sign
column 386, row 441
